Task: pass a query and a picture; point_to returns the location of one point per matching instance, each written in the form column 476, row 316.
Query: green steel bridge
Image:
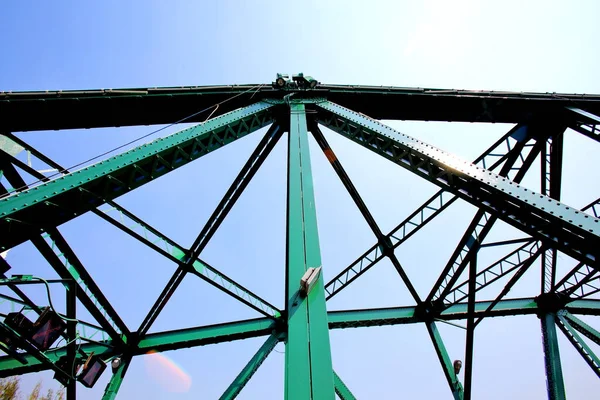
column 295, row 109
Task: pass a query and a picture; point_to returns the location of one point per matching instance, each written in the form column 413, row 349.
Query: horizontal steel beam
column 409, row 315
column 211, row 334
column 183, row 338
column 146, row 106
column 162, row 341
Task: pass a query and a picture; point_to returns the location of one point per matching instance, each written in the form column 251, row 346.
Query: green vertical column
column 554, row 376
column 308, row 370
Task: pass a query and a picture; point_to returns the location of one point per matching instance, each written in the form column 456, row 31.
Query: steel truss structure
column 491, row 183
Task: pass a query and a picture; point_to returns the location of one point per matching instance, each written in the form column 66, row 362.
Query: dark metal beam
column 384, row 242
column 161, row 301
column 523, row 266
column 469, row 343
column 585, row 122
column 482, row 222
column 71, row 307
column 248, row 171
column 146, row 106
column 256, row 159
column 551, row 170
column 492, row 158
column 514, row 260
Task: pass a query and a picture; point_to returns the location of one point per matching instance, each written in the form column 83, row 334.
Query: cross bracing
column 491, row 183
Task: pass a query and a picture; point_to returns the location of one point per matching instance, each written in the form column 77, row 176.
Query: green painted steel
column 178, row 339
column 341, row 389
column 66, row 263
column 308, row 371
column 182, row 338
column 546, row 219
column 113, row 386
column 406, row 315
column 20, row 213
column 164, row 245
column 255, row 362
column 445, row 361
column 554, row 376
column 580, row 345
column 305, row 324
column 584, row 328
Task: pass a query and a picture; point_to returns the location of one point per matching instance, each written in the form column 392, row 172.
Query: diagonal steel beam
column 21, row 213
column 478, row 229
column 522, row 268
column 88, row 291
column 582, row 348
column 384, row 242
column 582, row 327
column 161, row 301
column 248, row 371
column 593, row 208
column 248, row 171
column 558, row 224
column 140, row 230
column 145, row 233
column 341, row 389
column 493, row 157
column 582, row 281
column 240, row 183
column 445, row 361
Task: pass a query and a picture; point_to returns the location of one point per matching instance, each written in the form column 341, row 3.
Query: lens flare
column 166, row 373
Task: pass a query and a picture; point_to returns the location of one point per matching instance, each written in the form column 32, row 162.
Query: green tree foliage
column 10, row 390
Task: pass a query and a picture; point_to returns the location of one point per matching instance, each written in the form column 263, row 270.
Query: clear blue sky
column 546, row 46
